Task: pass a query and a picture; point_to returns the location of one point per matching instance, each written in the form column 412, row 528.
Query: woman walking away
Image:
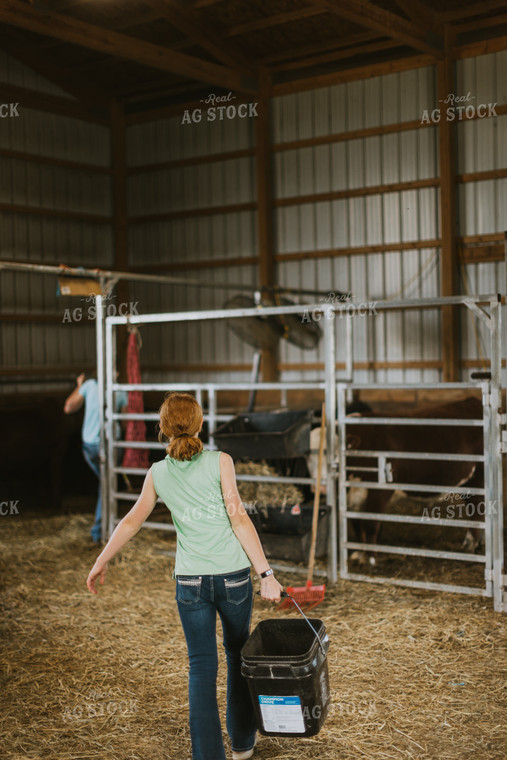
column 216, row 543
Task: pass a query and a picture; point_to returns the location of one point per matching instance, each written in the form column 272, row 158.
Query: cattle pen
column 487, row 308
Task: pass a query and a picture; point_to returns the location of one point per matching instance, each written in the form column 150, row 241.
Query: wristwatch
column 265, row 574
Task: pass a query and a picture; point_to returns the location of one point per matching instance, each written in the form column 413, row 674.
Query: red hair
column 180, row 421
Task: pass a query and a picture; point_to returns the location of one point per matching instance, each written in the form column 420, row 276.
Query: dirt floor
column 413, row 674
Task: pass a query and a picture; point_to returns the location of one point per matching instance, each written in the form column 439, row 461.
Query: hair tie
column 183, row 435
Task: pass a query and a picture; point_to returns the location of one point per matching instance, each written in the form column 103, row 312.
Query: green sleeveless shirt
column 191, row 489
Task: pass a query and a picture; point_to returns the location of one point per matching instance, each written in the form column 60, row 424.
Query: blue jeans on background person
column 199, row 598
column 91, row 453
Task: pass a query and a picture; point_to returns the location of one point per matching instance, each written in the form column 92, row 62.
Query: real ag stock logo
column 219, row 108
column 459, row 108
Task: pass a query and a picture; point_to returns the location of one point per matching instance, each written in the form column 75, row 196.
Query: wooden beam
column 168, row 216
column 468, row 11
column 417, row 10
column 79, row 216
column 267, row 277
column 358, row 250
column 74, row 32
column 14, row 44
column 359, row 192
column 44, row 318
column 320, row 47
column 366, row 14
column 119, row 203
column 183, row 266
column 481, row 47
column 204, row 3
column 119, row 186
column 448, row 217
column 351, row 134
column 482, row 253
column 275, row 20
column 336, row 55
column 206, row 38
column 63, row 162
column 353, row 74
column 179, row 163
column 55, row 104
column 483, row 23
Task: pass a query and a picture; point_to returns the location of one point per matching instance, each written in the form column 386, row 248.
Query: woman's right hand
column 271, row 589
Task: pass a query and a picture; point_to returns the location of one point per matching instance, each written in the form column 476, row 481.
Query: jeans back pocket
column 237, row 590
column 188, row 589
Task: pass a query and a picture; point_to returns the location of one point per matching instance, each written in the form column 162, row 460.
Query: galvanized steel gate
column 493, row 425
column 336, row 391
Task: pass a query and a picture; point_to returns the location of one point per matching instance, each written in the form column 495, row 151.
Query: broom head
column 308, row 596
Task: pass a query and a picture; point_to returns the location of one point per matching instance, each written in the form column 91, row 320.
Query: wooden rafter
column 448, row 216
column 482, row 23
column 199, row 35
column 275, row 20
column 204, row 3
column 93, row 37
column 320, row 47
column 367, row 14
column 336, row 55
column 469, row 11
column 78, row 87
column 417, row 10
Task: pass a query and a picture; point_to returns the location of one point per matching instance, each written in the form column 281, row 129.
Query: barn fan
column 305, row 335
column 263, row 332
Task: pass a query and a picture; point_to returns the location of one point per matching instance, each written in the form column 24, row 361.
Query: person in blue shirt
column 86, row 392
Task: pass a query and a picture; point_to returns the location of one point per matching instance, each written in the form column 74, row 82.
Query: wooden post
column 264, row 210
column 448, row 215
column 119, row 192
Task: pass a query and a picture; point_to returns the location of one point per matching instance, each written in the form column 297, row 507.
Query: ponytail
column 180, row 422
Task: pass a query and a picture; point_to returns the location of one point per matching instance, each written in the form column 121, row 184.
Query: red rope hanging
column 136, row 429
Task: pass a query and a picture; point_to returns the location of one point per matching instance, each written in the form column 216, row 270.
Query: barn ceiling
column 153, row 53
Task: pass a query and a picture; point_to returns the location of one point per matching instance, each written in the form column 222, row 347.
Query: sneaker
column 247, row 753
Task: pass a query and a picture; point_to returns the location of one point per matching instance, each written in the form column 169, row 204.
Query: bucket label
column 282, row 714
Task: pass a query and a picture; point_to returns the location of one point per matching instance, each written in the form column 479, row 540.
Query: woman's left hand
column 97, row 571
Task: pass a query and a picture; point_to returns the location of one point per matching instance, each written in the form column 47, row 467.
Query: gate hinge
column 502, row 419
column 488, row 574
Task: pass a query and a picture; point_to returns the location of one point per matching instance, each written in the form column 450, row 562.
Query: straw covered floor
column 413, row 674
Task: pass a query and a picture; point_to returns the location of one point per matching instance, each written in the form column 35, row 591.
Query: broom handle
column 316, row 500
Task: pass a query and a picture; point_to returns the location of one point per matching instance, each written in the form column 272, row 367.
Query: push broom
column 310, row 596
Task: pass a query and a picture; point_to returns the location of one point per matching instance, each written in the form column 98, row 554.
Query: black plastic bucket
column 285, row 665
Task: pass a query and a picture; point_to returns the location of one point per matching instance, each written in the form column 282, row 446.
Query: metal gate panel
column 491, row 524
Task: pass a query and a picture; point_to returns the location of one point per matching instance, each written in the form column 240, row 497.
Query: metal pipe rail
column 410, row 551
column 491, row 492
column 417, row 455
column 444, row 522
column 487, row 308
column 414, row 487
column 426, row 585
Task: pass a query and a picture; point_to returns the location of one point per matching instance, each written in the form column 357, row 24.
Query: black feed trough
column 266, row 435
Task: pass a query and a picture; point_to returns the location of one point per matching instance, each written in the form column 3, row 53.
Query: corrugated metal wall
column 218, row 236
column 315, row 225
column 482, row 146
column 385, row 221
column 41, row 238
column 371, row 220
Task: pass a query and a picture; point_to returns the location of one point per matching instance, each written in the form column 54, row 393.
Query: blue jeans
column 91, row 453
column 199, row 598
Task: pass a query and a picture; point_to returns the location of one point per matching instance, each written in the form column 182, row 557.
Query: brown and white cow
column 416, row 438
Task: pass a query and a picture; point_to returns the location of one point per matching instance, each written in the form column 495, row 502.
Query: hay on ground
column 414, row 675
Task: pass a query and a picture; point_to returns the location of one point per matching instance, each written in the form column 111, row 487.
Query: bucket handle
column 285, row 594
